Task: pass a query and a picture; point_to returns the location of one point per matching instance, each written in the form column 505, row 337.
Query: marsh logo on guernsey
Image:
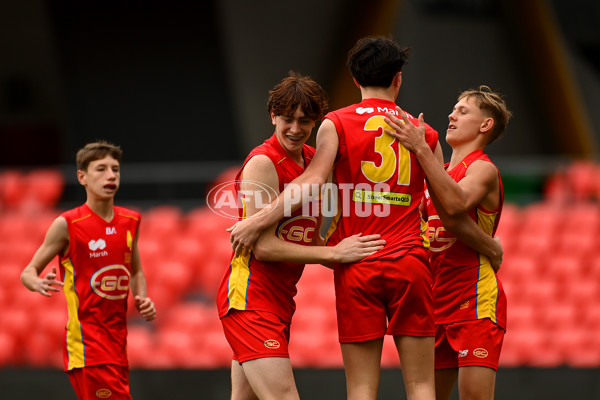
column 99, row 244
column 299, row 229
column 362, row 110
column 111, row 282
column 272, row 344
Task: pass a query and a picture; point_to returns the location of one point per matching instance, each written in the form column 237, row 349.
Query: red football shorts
column 105, row 381
column 256, row 334
column 468, row 343
column 379, row 297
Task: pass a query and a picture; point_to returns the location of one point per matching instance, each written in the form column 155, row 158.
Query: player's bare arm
column 467, row 231
column 245, row 233
column 55, row 242
column 143, row 303
column 351, row 249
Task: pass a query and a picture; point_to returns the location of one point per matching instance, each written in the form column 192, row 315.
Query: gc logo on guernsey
column 299, row 229
column 111, row 282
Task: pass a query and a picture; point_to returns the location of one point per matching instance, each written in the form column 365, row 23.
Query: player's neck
column 378, row 93
column 103, row 208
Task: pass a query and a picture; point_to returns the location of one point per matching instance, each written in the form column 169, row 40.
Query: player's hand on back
column 356, row 247
column 410, row 136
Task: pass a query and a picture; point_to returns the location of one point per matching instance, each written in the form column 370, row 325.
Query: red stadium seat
column 42, row 350
column 44, row 189
column 564, row 268
column 16, row 322
column 509, row 221
column 521, row 316
column 545, row 352
column 316, row 287
column 174, row 276
column 193, row 254
column 582, row 177
column 519, row 267
column 591, row 267
column 151, row 253
column 582, row 348
column 162, row 223
column 582, row 217
column 583, row 292
column 557, row 315
column 52, row 319
column 575, row 243
column 214, row 350
column 177, row 345
column 9, row 350
column 13, row 187
column 190, row 317
column 164, row 298
column 205, row 225
column 516, row 349
column 309, row 349
column 590, row 317
column 537, row 293
column 535, row 241
column 140, row 346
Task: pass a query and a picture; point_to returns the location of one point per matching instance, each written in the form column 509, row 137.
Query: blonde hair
column 493, row 104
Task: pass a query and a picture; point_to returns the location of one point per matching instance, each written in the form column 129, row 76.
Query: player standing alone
column 96, row 245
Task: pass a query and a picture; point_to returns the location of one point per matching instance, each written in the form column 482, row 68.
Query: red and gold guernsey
column 96, row 272
column 250, row 284
column 465, row 286
column 380, row 183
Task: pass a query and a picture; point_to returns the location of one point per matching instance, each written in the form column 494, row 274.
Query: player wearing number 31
column 388, row 293
column 96, row 245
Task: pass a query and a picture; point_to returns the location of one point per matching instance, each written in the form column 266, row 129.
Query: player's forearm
column 467, row 231
column 29, row 277
column 451, row 197
column 138, row 284
column 277, row 250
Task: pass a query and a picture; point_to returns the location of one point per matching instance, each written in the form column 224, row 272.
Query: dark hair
column 296, row 91
column 97, row 151
column 374, row 61
column 493, row 104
